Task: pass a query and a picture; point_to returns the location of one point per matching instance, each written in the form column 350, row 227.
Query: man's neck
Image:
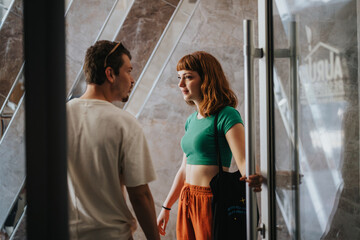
column 94, row 91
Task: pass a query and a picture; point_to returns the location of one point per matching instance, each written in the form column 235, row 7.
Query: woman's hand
column 255, row 181
column 162, row 221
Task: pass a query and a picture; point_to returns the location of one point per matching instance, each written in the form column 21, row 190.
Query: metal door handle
column 249, row 54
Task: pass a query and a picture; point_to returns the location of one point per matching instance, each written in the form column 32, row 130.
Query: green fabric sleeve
column 228, row 117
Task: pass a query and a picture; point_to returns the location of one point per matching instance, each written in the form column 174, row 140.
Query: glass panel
column 5, row 6
column 328, row 119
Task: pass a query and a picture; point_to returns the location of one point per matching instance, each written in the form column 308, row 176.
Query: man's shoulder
column 122, row 117
column 125, row 115
column 102, row 108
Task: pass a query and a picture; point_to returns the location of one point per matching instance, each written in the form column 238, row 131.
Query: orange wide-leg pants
column 194, row 215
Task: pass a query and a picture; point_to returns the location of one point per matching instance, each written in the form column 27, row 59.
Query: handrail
column 249, row 54
column 12, row 89
column 13, row 203
column 168, row 57
column 68, row 7
column 153, row 53
column 294, row 102
column 18, row 223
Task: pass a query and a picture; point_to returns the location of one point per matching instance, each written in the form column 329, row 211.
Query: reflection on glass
column 328, row 118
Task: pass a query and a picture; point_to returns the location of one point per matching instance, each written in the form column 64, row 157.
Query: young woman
column 203, row 84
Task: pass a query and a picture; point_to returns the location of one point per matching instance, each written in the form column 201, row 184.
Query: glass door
column 310, row 119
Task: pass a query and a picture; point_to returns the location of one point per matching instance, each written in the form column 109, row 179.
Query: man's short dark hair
column 94, row 66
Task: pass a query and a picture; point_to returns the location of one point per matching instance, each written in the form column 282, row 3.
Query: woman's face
column 190, row 85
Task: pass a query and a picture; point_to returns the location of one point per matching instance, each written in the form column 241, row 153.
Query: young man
column 107, row 150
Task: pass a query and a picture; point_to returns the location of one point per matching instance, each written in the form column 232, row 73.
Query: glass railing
column 109, row 31
column 15, row 216
column 12, row 160
column 5, row 6
column 160, row 56
column 11, row 102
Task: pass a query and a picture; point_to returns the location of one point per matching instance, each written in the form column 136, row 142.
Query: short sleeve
column 186, row 124
column 137, row 168
column 189, row 119
column 228, row 117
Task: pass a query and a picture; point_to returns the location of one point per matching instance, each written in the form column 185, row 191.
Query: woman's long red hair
column 215, row 88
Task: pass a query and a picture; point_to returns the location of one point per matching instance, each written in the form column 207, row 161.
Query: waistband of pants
column 197, row 189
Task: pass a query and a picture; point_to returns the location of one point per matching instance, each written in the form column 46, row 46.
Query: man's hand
column 143, row 204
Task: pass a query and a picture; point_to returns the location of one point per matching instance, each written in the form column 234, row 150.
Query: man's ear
column 110, row 76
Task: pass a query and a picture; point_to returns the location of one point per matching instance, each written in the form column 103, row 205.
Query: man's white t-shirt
column 107, row 150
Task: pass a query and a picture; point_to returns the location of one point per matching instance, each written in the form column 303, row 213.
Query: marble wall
column 159, row 57
column 84, row 21
column 140, row 32
column 142, row 29
column 11, row 48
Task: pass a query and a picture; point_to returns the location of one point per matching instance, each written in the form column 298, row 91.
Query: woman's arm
column 173, row 195
column 236, row 140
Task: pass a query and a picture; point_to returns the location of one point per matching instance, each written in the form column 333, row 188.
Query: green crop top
column 198, row 141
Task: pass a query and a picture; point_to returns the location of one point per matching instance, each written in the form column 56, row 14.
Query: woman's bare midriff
column 201, row 175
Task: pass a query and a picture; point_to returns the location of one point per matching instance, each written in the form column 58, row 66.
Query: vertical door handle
column 249, row 54
column 294, row 85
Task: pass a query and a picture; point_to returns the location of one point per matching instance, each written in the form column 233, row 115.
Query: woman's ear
column 109, row 72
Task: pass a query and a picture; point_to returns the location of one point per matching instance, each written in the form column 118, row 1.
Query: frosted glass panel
column 328, row 119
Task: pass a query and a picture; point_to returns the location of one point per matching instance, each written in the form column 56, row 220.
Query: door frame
column 266, row 100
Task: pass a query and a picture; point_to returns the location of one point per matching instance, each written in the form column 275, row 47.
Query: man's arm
column 143, row 204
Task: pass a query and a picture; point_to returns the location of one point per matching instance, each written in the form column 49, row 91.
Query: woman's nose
column 181, row 82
